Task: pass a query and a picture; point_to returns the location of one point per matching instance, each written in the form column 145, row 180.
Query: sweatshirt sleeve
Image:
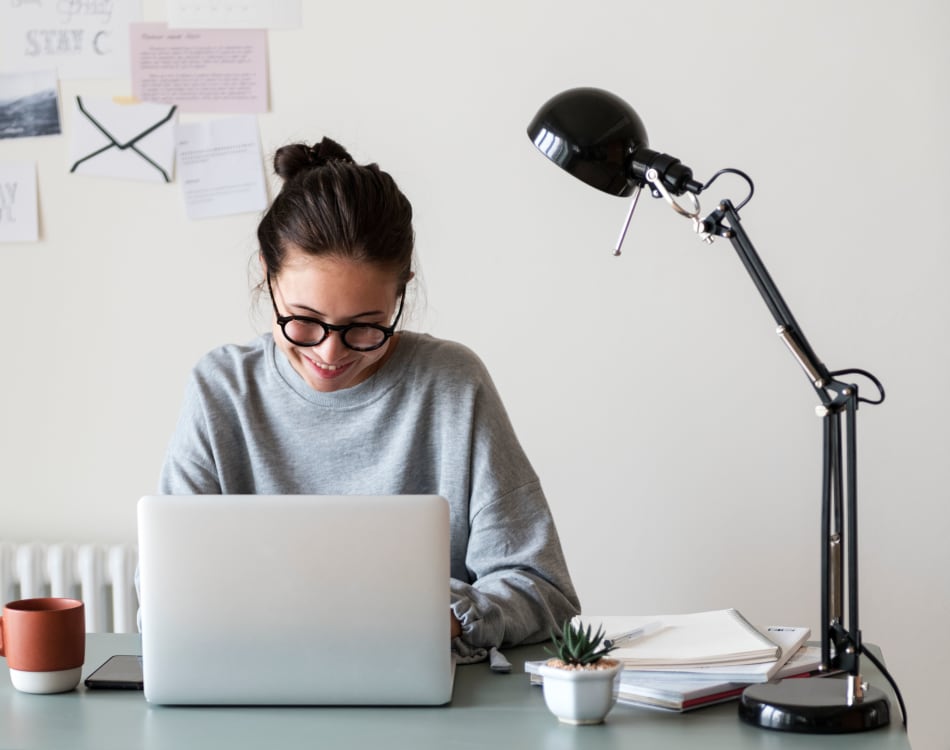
column 521, row 587
column 518, row 586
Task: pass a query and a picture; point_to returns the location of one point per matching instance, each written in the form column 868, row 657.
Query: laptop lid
column 295, row 600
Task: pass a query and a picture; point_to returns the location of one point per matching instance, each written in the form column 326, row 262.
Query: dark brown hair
column 330, row 205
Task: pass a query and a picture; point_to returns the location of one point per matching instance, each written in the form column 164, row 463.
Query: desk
column 488, row 710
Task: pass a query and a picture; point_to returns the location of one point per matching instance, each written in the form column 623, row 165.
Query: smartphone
column 119, row 672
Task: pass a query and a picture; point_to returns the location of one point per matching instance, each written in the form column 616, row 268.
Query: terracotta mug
column 44, row 641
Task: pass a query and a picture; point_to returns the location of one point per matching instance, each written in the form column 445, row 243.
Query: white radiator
column 103, row 577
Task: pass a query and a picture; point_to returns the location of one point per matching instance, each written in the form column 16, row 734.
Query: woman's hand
column 455, row 625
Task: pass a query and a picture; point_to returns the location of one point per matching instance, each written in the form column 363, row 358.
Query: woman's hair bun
column 291, row 160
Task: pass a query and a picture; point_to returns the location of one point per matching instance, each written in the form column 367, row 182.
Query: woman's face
column 336, row 291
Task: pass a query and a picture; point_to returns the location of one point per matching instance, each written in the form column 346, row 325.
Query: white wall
column 674, row 434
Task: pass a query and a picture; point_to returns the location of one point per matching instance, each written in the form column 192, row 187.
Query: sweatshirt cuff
column 482, row 622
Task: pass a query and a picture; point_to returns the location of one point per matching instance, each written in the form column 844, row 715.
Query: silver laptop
column 295, row 600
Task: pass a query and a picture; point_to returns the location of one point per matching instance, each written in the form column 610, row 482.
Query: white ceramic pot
column 580, row 696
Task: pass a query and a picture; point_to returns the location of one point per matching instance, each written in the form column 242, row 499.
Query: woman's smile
column 325, row 370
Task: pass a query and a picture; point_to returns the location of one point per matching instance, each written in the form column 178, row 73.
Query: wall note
column 88, row 39
column 200, row 70
column 19, row 217
column 134, row 141
column 220, row 167
column 236, row 14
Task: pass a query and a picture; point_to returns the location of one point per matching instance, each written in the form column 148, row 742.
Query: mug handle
column 1, row 637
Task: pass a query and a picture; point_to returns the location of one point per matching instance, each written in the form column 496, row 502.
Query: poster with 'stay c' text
column 18, row 210
column 200, row 70
column 78, row 38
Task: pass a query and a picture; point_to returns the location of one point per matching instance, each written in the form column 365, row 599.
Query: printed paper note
column 29, row 104
column 220, row 167
column 200, row 70
column 18, row 213
column 88, row 39
column 233, row 14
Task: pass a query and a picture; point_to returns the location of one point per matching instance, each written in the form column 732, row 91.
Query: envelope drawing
column 127, row 141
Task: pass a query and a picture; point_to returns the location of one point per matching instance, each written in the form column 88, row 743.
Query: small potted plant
column 579, row 684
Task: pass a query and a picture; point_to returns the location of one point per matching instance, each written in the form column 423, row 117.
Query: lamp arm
column 725, row 222
column 839, row 477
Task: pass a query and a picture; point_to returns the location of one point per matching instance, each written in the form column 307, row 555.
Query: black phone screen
column 120, row 672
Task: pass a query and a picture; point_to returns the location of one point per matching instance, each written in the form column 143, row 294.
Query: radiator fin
column 102, row 576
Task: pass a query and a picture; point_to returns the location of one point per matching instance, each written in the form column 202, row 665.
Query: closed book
column 678, row 691
column 685, row 691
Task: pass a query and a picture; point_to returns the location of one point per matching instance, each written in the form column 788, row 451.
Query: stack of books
column 698, row 659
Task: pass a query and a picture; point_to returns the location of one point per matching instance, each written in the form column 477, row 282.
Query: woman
column 335, row 401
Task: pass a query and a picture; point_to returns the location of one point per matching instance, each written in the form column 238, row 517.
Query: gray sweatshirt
column 430, row 421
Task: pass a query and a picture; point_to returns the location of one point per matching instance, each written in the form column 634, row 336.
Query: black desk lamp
column 601, row 140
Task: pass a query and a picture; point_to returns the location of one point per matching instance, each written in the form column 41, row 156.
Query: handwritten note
column 220, row 167
column 19, row 220
column 80, row 39
column 200, row 70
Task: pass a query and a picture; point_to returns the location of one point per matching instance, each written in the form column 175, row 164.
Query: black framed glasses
column 301, row 330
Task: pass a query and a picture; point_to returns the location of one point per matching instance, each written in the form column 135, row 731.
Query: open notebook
column 714, row 638
column 310, row 600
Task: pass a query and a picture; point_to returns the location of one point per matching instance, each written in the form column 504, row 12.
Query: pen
column 632, row 635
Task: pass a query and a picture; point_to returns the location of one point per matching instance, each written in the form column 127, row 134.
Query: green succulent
column 576, row 645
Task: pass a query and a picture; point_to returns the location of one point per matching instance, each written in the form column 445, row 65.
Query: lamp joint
column 855, row 689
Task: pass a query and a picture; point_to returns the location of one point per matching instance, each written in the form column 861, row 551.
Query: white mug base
column 60, row 681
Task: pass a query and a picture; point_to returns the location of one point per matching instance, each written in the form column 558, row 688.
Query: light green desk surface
column 488, row 710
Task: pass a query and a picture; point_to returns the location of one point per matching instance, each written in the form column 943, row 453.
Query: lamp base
column 814, row 705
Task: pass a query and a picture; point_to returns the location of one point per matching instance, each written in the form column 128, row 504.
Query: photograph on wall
column 77, row 39
column 29, row 104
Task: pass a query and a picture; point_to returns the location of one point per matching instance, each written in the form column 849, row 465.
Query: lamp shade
column 592, row 134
